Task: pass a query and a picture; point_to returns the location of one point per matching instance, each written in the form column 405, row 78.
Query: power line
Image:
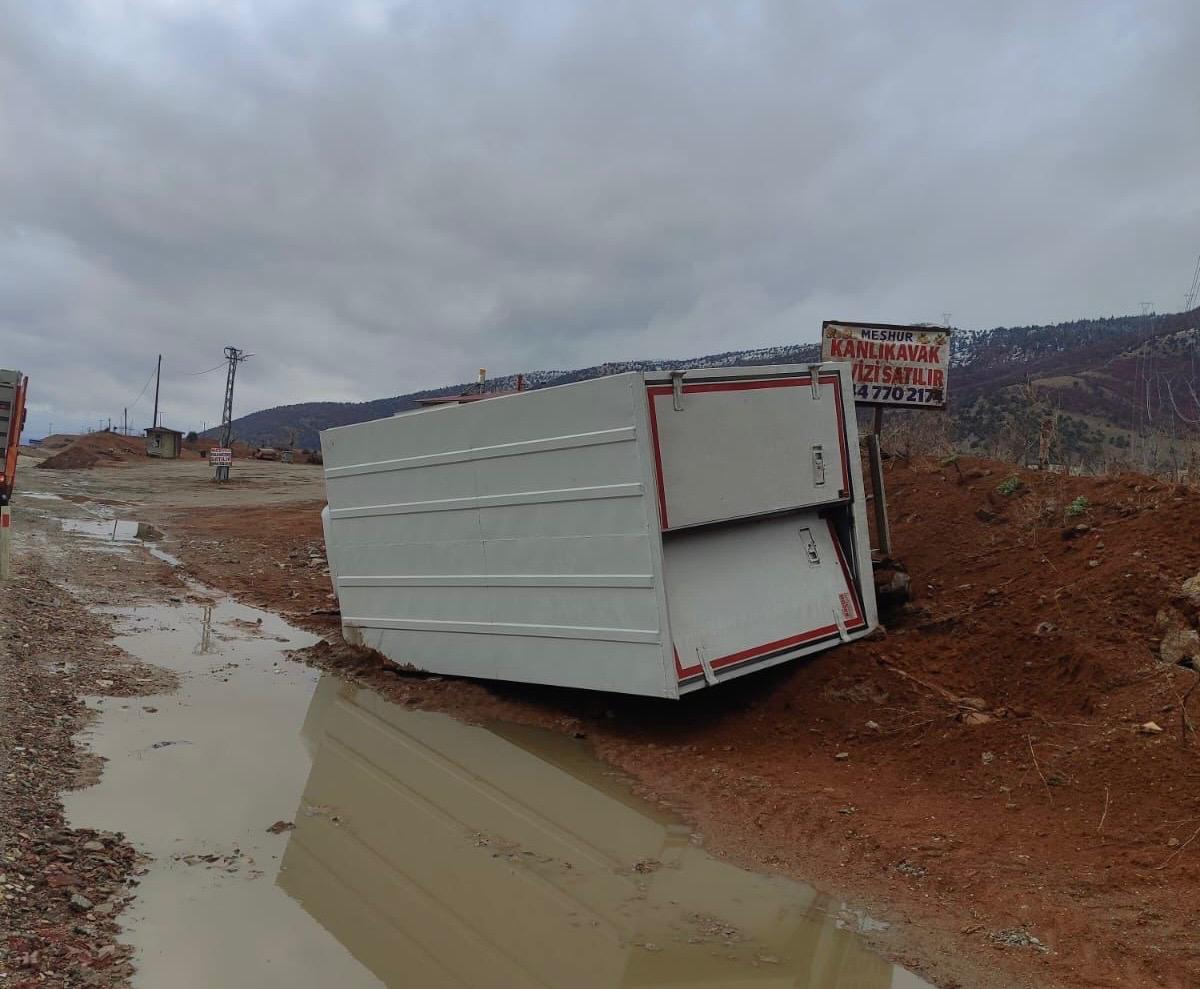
column 210, row 370
column 143, row 391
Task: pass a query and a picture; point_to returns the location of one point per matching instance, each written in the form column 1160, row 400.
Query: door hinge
column 677, row 390
column 814, row 379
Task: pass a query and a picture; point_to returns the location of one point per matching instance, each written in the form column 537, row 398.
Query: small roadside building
column 163, row 442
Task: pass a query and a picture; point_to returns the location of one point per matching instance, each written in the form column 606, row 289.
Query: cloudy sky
column 374, row 197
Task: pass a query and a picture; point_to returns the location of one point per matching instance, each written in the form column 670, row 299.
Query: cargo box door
column 751, row 593
column 736, row 448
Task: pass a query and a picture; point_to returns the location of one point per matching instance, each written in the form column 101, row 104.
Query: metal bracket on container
column 709, row 676
column 818, row 461
column 677, row 389
column 841, row 625
column 814, row 379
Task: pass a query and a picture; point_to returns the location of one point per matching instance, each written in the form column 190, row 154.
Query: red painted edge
column 690, row 672
column 658, row 468
column 702, row 387
column 837, row 548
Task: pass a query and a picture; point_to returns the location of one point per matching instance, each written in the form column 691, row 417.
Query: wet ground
column 305, row 832
column 999, row 802
column 298, row 830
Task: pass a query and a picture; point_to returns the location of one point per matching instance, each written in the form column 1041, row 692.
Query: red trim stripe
column 690, row 672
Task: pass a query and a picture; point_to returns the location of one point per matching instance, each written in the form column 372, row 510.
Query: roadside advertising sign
column 891, row 365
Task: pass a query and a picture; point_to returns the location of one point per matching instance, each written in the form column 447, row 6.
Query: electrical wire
column 143, row 391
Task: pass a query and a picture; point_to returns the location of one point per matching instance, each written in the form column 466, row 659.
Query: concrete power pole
column 235, row 357
column 157, row 379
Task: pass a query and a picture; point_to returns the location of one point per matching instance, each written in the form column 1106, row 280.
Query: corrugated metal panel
column 739, row 446
column 793, row 595
column 442, row 523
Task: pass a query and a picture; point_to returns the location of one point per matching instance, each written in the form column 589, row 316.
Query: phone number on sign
column 898, row 393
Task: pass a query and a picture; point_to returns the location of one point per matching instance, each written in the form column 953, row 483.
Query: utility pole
column 234, row 357
column 1190, row 299
column 125, row 422
column 157, row 379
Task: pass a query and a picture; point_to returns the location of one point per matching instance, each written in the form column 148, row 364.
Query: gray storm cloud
column 377, row 197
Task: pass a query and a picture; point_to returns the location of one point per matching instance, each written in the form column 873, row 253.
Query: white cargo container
column 642, row 533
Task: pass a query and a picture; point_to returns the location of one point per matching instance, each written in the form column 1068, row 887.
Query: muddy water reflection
column 426, row 852
column 443, row 854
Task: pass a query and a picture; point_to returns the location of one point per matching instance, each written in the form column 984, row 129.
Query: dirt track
column 998, row 786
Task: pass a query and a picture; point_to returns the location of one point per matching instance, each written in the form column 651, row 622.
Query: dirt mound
column 92, row 449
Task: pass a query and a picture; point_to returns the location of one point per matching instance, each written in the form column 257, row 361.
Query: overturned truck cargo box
column 645, row 533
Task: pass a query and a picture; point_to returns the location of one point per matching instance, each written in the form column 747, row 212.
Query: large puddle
column 121, row 533
column 425, row 852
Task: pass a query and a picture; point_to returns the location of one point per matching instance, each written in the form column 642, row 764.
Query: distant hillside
column 1117, row 387
column 271, row 427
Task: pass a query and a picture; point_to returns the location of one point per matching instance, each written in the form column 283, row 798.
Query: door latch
column 818, row 461
column 810, row 547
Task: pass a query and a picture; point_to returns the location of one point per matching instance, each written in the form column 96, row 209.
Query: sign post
column 221, row 457
column 890, row 365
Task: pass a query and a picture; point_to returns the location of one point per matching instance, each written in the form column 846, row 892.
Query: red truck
column 13, row 387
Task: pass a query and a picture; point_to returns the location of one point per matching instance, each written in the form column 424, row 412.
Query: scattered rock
column 988, row 758
column 893, row 588
column 1191, row 590
column 1179, row 645
column 1150, row 728
column 281, row 826
column 1045, row 628
column 1018, row 939
column 842, row 756
column 976, row 718
column 92, row 846
column 80, row 904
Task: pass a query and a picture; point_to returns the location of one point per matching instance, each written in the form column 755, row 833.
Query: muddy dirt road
column 1000, row 817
